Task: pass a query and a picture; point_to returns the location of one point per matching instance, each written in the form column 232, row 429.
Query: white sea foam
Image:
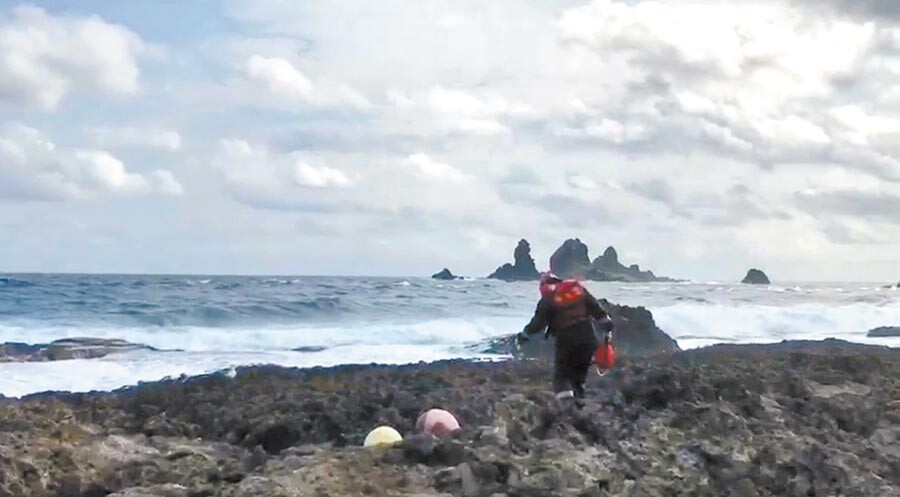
column 697, row 325
column 114, row 371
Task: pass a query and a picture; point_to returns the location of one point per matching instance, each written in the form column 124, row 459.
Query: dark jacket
column 571, row 324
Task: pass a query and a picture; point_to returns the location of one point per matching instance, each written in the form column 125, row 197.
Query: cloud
column 605, row 130
column 319, row 177
column 46, row 58
column 34, row 168
column 751, row 81
column 581, row 182
column 866, row 9
column 280, row 76
column 281, row 80
column 267, row 179
column 433, row 170
column 654, row 189
column 862, row 204
column 134, row 137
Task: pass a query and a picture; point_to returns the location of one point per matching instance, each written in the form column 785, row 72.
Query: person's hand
column 606, row 324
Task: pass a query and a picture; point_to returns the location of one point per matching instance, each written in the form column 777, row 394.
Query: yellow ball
column 383, row 435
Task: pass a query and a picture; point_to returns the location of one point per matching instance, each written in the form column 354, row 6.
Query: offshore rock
column 69, row 348
column 756, row 277
column 523, row 268
column 636, row 335
column 445, row 274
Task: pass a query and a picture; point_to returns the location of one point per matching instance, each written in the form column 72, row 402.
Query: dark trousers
column 571, row 365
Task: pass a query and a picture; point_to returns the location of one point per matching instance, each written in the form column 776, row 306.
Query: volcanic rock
column 884, row 331
column 69, row 348
column 523, row 268
column 608, row 268
column 756, row 277
column 571, row 260
column 635, row 335
column 795, row 419
column 445, row 274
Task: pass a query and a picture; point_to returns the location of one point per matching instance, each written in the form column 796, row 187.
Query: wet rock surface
column 636, row 335
column 70, row 348
column 791, row 419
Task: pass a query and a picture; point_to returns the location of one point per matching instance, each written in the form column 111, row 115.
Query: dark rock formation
column 608, row 268
column 523, row 268
column 445, row 274
column 571, row 260
column 636, row 335
column 792, row 419
column 70, row 348
column 756, row 277
column 885, row 331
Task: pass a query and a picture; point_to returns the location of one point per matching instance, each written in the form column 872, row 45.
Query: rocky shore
column 68, row 348
column 793, row 419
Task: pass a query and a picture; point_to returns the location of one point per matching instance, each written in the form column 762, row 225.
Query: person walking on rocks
column 566, row 311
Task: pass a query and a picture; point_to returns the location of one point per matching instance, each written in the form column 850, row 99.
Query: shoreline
column 85, row 354
column 769, row 419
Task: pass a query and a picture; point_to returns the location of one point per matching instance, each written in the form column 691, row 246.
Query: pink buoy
column 438, row 422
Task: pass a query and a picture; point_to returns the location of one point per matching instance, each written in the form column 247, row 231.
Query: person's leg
column 561, row 371
column 580, row 360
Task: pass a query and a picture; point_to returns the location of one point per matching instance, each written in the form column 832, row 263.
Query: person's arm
column 597, row 312
column 538, row 322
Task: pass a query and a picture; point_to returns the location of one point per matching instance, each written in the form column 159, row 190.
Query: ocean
column 203, row 324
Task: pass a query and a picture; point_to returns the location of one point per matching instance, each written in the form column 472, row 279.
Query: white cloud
column 45, row 58
column 280, row 76
column 582, row 182
column 286, row 84
column 33, row 167
column 482, row 127
column 608, row 130
column 431, row 169
column 747, row 79
column 261, row 177
column 319, row 177
column 135, row 137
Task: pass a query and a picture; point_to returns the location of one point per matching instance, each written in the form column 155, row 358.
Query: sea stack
column 523, row 268
column 571, row 260
column 445, row 274
column 608, row 268
column 756, row 277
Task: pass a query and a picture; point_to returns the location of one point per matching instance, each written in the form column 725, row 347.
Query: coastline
column 764, row 419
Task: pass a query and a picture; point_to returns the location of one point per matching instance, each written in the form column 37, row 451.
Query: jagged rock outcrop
column 571, row 260
column 69, row 348
column 445, row 274
column 636, row 335
column 790, row 419
column 608, row 268
column 756, row 277
column 884, row 331
column 522, row 269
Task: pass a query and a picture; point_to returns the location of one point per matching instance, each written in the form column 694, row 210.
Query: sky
column 699, row 138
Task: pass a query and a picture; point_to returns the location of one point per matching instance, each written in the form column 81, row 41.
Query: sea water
column 203, row 324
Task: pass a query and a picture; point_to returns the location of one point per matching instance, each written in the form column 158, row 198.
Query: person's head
column 548, row 283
